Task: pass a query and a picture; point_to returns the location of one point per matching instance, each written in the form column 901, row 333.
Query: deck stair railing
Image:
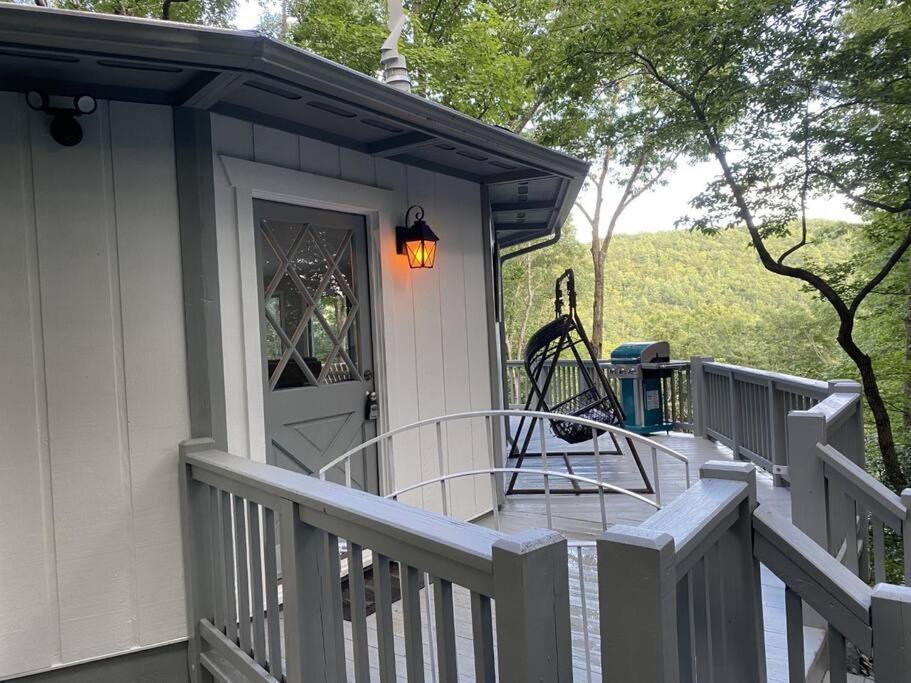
column 840, row 505
column 245, row 524
column 694, row 610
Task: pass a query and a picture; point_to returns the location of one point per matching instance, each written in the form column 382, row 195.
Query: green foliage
column 704, row 294
column 208, row 12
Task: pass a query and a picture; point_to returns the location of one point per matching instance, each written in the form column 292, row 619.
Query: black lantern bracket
column 65, row 129
column 417, row 231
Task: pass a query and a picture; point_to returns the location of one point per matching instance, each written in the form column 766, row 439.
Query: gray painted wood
column 309, row 646
column 838, row 671
column 245, row 617
column 227, row 650
column 891, row 613
column 411, row 606
column 256, row 583
column 199, row 260
column 358, row 613
column 226, row 516
column 824, row 584
column 457, row 551
column 382, row 587
column 270, row 570
column 197, row 544
column 444, row 619
column 638, row 619
column 483, row 638
column 530, row 572
column 794, row 626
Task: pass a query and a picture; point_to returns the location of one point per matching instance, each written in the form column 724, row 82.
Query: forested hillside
column 708, row 294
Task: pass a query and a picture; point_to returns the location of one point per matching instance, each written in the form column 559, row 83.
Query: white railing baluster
column 656, row 475
column 550, row 521
column 442, row 468
column 596, row 448
column 431, row 633
column 230, row 587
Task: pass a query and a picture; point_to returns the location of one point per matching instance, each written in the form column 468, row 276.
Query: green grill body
column 640, row 384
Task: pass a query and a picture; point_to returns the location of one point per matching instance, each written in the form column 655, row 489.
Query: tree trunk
column 906, row 381
column 891, row 463
column 598, row 300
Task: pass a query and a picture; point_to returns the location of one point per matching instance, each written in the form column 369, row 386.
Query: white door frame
column 252, row 180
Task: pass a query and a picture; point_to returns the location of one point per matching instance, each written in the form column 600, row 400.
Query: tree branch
column 883, row 272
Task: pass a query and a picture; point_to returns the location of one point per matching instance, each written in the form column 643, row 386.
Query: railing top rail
column 829, row 587
column 600, row 426
column 697, row 518
column 864, row 487
column 457, row 551
column 836, row 408
column 814, row 387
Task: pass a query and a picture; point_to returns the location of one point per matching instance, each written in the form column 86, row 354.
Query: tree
column 791, row 99
column 207, row 12
column 632, row 150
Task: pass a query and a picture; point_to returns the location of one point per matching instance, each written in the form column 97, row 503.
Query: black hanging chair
column 594, row 398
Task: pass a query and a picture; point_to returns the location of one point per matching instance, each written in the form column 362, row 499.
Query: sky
column 653, row 211
column 662, row 206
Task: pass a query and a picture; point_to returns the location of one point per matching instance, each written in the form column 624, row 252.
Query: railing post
column 851, row 441
column 697, row 382
column 311, row 618
column 637, row 589
column 197, row 552
column 744, row 656
column 808, row 484
column 777, row 432
column 890, row 609
column 531, row 593
column 906, row 535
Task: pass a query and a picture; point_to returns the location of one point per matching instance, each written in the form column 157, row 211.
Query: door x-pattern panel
column 310, row 255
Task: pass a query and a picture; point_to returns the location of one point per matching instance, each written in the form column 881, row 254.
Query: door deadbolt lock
column 372, row 406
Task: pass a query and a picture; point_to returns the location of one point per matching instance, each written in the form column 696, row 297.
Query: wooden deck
column 578, row 517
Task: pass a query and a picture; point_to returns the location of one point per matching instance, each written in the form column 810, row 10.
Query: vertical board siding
column 435, row 322
column 99, row 345
column 28, row 620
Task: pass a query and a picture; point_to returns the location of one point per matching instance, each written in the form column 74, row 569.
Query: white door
column 316, row 334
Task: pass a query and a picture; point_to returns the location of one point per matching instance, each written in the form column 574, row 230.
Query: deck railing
column 676, row 387
column 694, row 612
column 255, row 613
column 835, row 501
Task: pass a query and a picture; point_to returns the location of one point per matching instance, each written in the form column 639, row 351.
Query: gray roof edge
column 253, row 52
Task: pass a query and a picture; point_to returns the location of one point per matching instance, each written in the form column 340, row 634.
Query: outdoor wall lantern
column 418, row 242
column 65, row 129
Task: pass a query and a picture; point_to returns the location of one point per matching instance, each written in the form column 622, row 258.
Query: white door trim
column 252, row 180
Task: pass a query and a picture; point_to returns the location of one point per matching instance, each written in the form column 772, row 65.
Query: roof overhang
column 249, row 76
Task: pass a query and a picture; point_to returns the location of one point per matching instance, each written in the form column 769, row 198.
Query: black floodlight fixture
column 65, row 129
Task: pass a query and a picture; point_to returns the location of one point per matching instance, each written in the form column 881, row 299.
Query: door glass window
column 310, row 304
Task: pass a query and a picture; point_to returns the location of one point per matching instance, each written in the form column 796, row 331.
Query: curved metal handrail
column 600, row 426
